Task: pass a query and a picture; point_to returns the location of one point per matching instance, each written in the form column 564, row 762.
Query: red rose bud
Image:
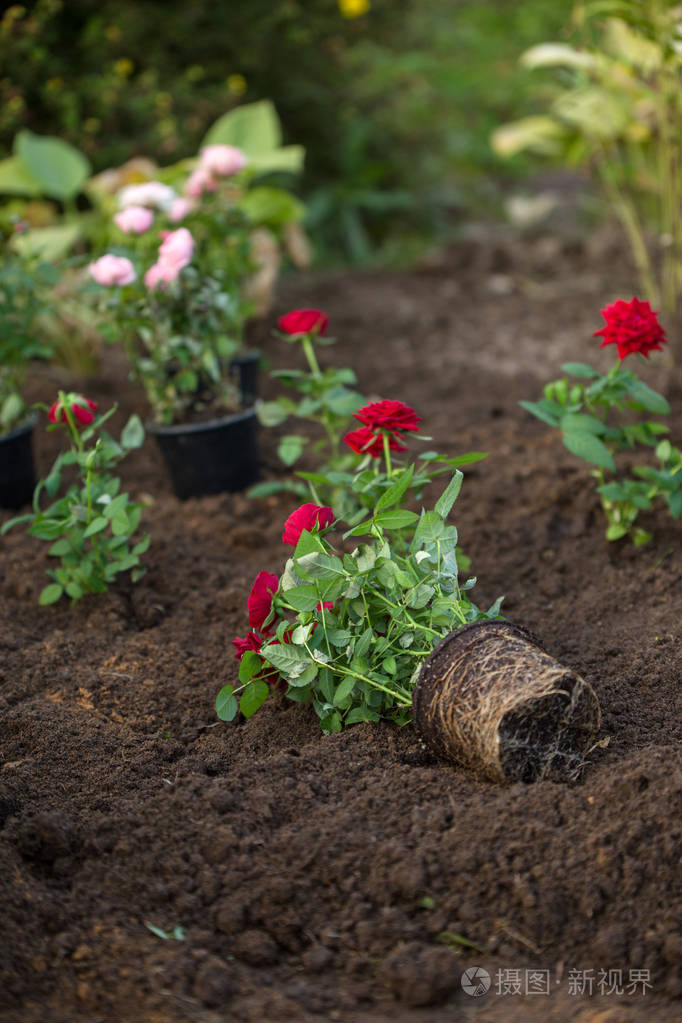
column 389, row 415
column 260, row 598
column 632, row 327
column 82, row 409
column 366, row 442
column 327, row 605
column 306, row 517
column 303, row 321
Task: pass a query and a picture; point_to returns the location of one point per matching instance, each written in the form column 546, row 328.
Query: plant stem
column 400, row 697
column 387, row 455
column 310, row 356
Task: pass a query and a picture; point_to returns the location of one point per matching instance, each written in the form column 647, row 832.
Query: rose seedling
column 91, row 526
column 602, row 416
column 348, row 631
column 356, row 465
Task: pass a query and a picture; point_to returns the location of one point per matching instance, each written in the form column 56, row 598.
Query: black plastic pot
column 246, row 368
column 17, row 474
column 212, row 457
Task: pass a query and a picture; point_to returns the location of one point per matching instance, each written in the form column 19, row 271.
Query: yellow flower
column 123, row 67
column 236, row 84
column 354, row 8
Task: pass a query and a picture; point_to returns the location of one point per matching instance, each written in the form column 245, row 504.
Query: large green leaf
column 60, row 169
column 16, row 179
column 254, row 128
column 47, row 243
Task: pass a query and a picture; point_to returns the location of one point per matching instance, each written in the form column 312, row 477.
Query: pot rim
column 26, row 427
column 174, row 429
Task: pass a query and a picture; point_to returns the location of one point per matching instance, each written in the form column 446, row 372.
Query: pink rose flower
column 161, row 273
column 134, row 219
column 222, row 161
column 198, row 182
column 179, row 209
column 177, row 248
column 308, row 516
column 110, row 270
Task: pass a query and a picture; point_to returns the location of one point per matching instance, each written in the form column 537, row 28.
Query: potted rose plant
column 22, row 288
column 179, row 309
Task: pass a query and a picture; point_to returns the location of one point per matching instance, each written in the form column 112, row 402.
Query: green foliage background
column 394, row 108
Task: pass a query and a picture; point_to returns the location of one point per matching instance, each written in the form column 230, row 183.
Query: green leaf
column 142, row 544
column 580, row 422
column 320, row 566
column 651, row 400
column 253, row 697
column 290, row 660
column 271, row 413
column 302, row 598
column 429, row 529
column 120, row 524
column 60, row 548
column 545, row 410
column 249, row 666
column 50, row 594
column 389, row 665
column 16, row 178
column 397, row 519
column 253, row 127
column 580, row 369
column 133, row 433
column 344, row 689
column 291, row 447
column 285, row 158
column 96, row 526
column 226, row 704
column 48, row 243
column 449, row 496
column 396, row 490
column 308, row 543
column 365, row 557
column 61, row 169
column 586, row 445
column 271, row 206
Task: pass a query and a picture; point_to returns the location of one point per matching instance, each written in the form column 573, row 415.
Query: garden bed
column 319, row 877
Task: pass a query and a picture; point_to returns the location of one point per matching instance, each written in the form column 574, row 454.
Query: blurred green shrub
column 614, row 104
column 394, row 108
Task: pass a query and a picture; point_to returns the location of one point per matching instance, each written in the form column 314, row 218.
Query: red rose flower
column 81, row 407
column 633, row 327
column 260, row 599
column 366, row 442
column 250, row 642
column 303, row 321
column 306, row 517
column 389, row 415
column 326, row 604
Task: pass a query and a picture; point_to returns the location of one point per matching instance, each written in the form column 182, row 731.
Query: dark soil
column 327, row 878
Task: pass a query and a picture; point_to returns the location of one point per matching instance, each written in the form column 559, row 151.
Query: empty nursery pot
column 489, row 698
column 210, row 458
column 17, row 474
